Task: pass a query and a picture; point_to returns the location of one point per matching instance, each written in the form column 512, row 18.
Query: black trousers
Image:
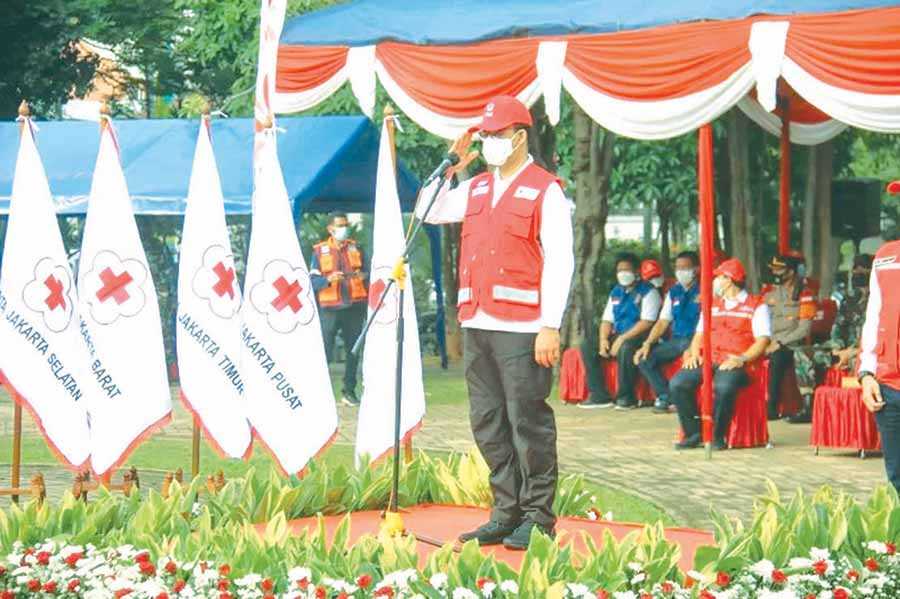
column 626, row 372
column 663, row 353
column 513, row 425
column 780, row 361
column 726, row 384
column 888, row 420
column 349, row 322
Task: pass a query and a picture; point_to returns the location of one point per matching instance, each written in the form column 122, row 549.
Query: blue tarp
column 329, row 162
column 364, row 22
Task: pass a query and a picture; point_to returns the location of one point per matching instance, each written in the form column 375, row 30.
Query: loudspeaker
column 856, row 208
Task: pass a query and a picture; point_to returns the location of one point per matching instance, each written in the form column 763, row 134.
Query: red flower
column 224, row 570
column 122, row 592
column 891, row 548
column 321, row 593
column 667, row 587
column 820, row 567
column 147, row 569
column 303, row 584
column 810, row 596
column 364, row 581
column 72, row 559
column 178, row 586
column 778, row 577
column 384, row 592
column 602, row 594
column 171, row 568
column 34, row 585
column 268, row 596
column 163, row 595
column 267, row 585
column 223, row 584
column 142, row 558
column 853, row 575
column 704, row 594
column 49, row 587
column 646, row 595
column 840, row 593
column 343, row 595
column 2, row 571
column 73, row 584
column 43, row 558
column 481, row 582
column 872, row 564
column 723, row 579
column 7, row 595
column 225, row 596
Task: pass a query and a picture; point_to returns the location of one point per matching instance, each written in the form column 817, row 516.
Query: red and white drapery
column 645, row 84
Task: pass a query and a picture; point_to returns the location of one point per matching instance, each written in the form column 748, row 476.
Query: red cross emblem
column 225, row 284
column 114, row 286
column 56, row 298
column 288, row 295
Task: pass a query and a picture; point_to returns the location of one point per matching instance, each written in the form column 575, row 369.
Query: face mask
column 340, row 233
column 685, row 277
column 625, row 278
column 779, row 278
column 657, row 282
column 859, row 279
column 497, row 150
column 719, row 287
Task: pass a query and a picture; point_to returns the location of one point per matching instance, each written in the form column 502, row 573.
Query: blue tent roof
column 329, row 162
column 365, row 22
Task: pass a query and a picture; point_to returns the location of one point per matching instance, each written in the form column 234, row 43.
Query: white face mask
column 625, row 278
column 340, row 233
column 685, row 276
column 719, row 287
column 496, row 150
column 657, row 282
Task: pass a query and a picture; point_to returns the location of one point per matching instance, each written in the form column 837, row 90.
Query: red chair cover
column 840, row 419
column 643, row 392
column 824, row 320
column 834, row 377
column 573, row 387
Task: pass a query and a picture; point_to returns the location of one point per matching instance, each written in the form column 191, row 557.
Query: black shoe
column 593, row 402
column 774, row 416
column 803, row 417
column 492, row 533
column 720, row 445
column 349, row 399
column 624, row 404
column 691, row 442
column 521, row 536
column 661, row 405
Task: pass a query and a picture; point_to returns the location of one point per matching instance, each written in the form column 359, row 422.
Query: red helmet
column 731, row 268
column 650, row 269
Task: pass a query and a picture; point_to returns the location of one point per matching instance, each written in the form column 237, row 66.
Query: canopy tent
column 339, row 174
column 651, row 70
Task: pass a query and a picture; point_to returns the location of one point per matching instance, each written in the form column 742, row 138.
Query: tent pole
column 784, row 191
column 707, row 213
column 16, row 448
column 195, row 450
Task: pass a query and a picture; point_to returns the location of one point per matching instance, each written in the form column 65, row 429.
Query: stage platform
column 443, row 523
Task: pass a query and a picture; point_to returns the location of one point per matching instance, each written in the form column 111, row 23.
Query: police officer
column 740, row 331
column 879, row 359
column 515, row 268
column 792, row 306
column 338, row 272
column 681, row 312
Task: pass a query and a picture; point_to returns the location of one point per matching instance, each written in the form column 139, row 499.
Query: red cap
column 650, row 269
column 894, row 187
column 731, row 268
column 502, row 112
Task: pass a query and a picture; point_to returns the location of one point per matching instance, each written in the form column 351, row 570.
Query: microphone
column 451, row 159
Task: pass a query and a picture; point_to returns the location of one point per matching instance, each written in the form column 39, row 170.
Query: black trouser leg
column 490, row 424
column 779, row 362
column 888, row 419
column 352, row 320
column 663, row 353
column 682, row 392
column 596, row 380
column 726, row 384
column 330, row 323
column 626, row 371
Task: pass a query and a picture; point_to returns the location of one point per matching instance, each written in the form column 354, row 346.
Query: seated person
column 631, row 310
column 652, row 272
column 740, row 331
column 680, row 311
column 792, row 306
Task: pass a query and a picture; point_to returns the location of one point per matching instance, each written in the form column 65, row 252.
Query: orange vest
column 346, row 259
column 886, row 268
column 500, row 258
column 732, row 328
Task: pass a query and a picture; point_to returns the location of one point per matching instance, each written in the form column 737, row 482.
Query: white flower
column 509, row 586
column 438, row 581
column 461, row 593
column 341, row 585
column 578, row 590
column 695, row 575
column 782, row 594
column 763, row 569
column 800, row 562
column 608, row 516
column 592, row 515
column 877, row 547
column 250, row 580
column 400, row 578
column 819, row 554
column 638, row 578
column 295, row 574
column 488, row 589
column 625, row 595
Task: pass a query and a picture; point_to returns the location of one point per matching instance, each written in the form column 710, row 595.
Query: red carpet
column 444, row 523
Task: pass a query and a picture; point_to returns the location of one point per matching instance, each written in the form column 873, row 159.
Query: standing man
column 681, row 311
column 740, row 330
column 338, row 273
column 792, row 306
column 630, row 312
column 515, row 268
column 879, row 359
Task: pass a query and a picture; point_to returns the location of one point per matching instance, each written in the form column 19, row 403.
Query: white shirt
column 761, row 323
column 868, row 359
column 649, row 307
column 556, row 243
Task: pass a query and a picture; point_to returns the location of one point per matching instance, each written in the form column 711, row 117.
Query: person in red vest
column 879, row 358
column 515, row 268
column 741, row 330
column 338, row 273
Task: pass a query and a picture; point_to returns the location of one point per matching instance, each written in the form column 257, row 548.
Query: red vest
column 346, row 259
column 886, row 267
column 500, row 259
column 732, row 328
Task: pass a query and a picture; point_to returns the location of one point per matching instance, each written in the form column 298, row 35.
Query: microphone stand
column 393, row 522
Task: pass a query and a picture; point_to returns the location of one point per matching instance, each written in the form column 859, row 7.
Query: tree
column 742, row 216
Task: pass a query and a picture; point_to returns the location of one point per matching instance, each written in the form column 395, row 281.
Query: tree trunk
column 591, row 167
column 809, row 214
column 542, row 138
column 741, row 217
column 449, row 263
column 664, row 254
column 827, row 254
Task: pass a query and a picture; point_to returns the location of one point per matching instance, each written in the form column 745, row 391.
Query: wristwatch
column 863, row 374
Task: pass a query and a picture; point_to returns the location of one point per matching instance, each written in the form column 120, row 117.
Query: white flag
column 120, row 313
column 43, row 356
column 375, row 431
column 290, row 402
column 209, row 329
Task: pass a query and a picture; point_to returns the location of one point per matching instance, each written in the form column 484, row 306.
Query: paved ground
column 628, row 450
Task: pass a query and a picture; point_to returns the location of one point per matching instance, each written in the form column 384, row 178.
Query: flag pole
column 105, row 478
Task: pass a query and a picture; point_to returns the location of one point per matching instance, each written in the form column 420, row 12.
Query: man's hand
column 546, row 347
column 844, row 356
column 773, row 347
column 335, row 277
column 604, row 348
column 732, row 363
column 460, row 147
column 616, row 346
column 871, row 394
column 641, row 354
column 691, row 360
